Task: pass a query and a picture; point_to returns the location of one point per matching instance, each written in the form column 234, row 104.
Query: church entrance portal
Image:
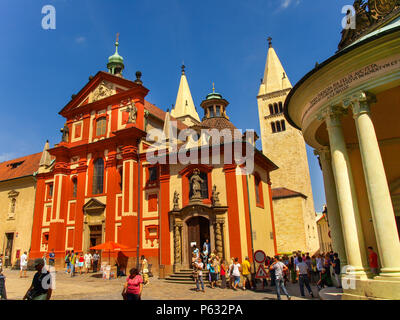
column 95, row 235
column 198, row 229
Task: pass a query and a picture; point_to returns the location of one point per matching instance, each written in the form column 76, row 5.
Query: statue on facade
column 132, row 112
column 215, row 196
column 195, row 182
column 65, row 133
column 176, row 200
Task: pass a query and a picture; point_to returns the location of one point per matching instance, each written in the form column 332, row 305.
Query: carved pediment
column 13, row 194
column 94, row 206
column 104, row 90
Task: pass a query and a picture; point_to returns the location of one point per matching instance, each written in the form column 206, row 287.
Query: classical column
column 335, row 225
column 177, row 244
column 377, row 187
column 346, row 195
column 218, row 238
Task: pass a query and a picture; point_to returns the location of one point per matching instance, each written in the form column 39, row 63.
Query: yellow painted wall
column 23, row 218
column 289, row 224
column 261, row 219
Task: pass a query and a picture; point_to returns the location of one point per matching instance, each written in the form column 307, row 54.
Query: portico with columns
column 346, row 109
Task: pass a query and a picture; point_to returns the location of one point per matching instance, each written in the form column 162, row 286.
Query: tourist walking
column 292, row 269
column 81, row 262
column 133, row 286
column 235, row 271
column 208, row 245
column 199, row 276
column 336, row 269
column 52, row 258
column 246, row 274
column 213, row 272
column 88, row 261
column 327, row 265
column 302, row 272
column 23, row 264
column 279, row 268
column 144, row 269
column 223, row 267
column 67, row 261
column 96, row 259
column 324, row 280
column 3, row 292
column 73, row 260
column 373, row 261
column 40, row 289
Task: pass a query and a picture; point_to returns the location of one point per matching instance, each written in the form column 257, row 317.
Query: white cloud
column 6, row 156
column 80, row 39
column 287, row 3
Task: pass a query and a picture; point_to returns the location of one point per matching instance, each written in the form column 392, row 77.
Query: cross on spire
column 270, row 42
column 117, row 37
column 213, row 87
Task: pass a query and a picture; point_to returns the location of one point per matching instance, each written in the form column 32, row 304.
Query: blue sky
column 219, row 41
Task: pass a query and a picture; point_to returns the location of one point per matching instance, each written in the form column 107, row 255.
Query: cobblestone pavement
column 93, row 287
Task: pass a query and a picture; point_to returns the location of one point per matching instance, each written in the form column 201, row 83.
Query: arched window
column 283, row 125
column 101, row 126
column 280, row 107
column 273, row 127
column 74, row 187
column 271, row 109
column 278, row 126
column 98, row 176
column 204, row 185
column 211, row 110
column 276, row 109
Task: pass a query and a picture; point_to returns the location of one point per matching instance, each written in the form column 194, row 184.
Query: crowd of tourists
column 78, row 262
column 319, row 270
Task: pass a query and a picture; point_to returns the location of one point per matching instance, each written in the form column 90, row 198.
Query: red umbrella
column 109, row 246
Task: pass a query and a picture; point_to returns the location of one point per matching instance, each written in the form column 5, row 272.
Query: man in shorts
column 88, row 261
column 246, row 267
column 23, row 264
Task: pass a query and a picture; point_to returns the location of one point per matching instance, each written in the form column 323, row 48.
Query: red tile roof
column 160, row 114
column 25, row 166
column 281, row 193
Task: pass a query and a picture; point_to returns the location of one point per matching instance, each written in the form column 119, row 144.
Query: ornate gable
column 103, row 85
column 93, row 205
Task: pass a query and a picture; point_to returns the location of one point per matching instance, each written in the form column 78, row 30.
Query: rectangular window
column 218, row 111
column 74, row 187
column 153, row 174
column 101, row 126
column 49, row 191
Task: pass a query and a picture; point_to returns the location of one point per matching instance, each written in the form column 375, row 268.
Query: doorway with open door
column 8, row 249
column 198, row 229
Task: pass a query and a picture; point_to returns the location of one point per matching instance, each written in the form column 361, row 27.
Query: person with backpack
column 67, row 261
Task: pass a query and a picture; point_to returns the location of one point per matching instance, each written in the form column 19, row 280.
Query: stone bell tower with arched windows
column 291, row 185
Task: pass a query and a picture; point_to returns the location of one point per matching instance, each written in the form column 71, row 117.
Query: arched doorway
column 198, row 229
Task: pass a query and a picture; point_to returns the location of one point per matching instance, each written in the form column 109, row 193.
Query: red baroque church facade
column 96, row 185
